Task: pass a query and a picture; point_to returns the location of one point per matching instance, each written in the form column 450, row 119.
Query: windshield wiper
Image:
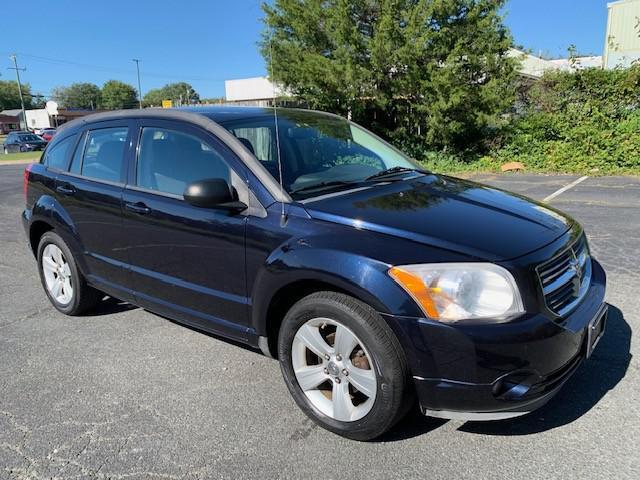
column 321, row 185
column 392, row 171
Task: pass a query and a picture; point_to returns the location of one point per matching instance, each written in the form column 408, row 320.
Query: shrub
column 579, row 122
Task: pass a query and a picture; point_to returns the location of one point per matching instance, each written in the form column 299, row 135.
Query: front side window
column 58, row 155
column 103, row 153
column 170, row 160
column 316, row 149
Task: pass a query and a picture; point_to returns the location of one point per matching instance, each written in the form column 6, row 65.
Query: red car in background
column 48, row 133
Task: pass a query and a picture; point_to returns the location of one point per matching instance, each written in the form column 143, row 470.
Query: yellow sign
column 167, row 104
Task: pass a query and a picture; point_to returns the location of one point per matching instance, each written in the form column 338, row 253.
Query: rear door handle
column 65, row 189
column 139, row 208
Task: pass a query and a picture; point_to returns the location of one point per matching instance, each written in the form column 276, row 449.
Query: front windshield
column 317, row 150
column 29, row 138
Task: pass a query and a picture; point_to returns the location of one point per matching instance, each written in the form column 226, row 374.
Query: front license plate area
column 595, row 330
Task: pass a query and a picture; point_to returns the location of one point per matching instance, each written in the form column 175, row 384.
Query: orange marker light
column 417, row 289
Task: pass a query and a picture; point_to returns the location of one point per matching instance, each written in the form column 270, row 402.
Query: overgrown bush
column 579, row 122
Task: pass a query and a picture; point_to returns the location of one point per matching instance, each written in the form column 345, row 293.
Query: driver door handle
column 138, row 207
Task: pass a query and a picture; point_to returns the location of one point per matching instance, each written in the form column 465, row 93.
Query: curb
column 17, row 162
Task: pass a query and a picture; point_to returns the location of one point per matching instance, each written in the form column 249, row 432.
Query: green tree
column 10, row 97
column 78, row 95
column 179, row 93
column 153, row 98
column 426, row 73
column 118, row 95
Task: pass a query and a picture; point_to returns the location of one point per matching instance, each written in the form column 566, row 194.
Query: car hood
column 448, row 213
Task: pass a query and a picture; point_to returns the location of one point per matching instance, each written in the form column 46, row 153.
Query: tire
column 55, row 263
column 362, row 410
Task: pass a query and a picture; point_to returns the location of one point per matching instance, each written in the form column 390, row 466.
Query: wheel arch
column 37, row 229
column 48, row 214
column 297, row 272
column 287, row 296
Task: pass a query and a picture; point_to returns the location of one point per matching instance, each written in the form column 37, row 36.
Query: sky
column 205, row 42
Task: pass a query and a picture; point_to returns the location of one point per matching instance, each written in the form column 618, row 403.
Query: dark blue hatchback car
column 373, row 281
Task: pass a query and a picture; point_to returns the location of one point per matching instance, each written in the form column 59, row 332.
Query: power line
column 58, row 61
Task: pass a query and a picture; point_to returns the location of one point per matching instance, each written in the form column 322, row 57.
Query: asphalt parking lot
column 127, row 394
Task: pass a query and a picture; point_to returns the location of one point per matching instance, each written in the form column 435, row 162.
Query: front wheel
column 343, row 365
column 62, row 281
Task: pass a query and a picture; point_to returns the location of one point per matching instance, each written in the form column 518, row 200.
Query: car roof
column 219, row 114
column 230, row 113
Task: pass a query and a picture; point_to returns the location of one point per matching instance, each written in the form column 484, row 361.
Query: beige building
column 622, row 42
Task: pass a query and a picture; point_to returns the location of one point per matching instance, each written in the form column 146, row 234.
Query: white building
column 258, row 91
column 533, row 66
column 38, row 118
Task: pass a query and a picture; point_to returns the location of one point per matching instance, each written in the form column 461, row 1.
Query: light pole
column 137, row 60
column 15, row 67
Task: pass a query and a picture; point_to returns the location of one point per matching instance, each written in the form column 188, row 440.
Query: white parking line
column 565, row 188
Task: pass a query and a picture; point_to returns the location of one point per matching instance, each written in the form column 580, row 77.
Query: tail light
column 25, row 181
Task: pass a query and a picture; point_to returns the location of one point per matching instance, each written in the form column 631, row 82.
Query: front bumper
column 490, row 372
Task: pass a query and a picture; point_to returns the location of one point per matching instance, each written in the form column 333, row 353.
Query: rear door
column 10, row 144
column 186, row 262
column 90, row 191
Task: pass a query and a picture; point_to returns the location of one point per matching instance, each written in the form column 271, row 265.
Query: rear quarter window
column 57, row 156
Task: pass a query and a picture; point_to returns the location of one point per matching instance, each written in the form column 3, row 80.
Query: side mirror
column 213, row 193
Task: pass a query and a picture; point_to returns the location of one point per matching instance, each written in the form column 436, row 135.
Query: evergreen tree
column 426, row 73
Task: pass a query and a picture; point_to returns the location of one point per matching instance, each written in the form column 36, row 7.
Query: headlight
column 449, row 292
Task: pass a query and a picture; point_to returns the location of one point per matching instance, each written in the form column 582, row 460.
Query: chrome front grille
column 566, row 277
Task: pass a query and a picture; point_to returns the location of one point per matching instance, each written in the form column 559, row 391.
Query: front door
column 186, row 262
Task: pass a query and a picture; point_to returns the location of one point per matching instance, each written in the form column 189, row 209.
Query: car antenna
column 283, row 215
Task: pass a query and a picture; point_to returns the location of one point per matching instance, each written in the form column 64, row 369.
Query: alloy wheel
column 57, row 274
column 334, row 369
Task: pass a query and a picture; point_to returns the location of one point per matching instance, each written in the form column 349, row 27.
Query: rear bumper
column 490, row 372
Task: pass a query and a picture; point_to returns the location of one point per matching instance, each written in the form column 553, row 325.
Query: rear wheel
column 343, row 365
column 62, row 281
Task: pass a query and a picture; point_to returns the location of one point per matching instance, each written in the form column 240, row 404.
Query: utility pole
column 137, row 60
column 15, row 67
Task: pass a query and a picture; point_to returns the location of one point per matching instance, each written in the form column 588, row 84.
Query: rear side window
column 170, row 160
column 103, row 153
column 58, row 155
